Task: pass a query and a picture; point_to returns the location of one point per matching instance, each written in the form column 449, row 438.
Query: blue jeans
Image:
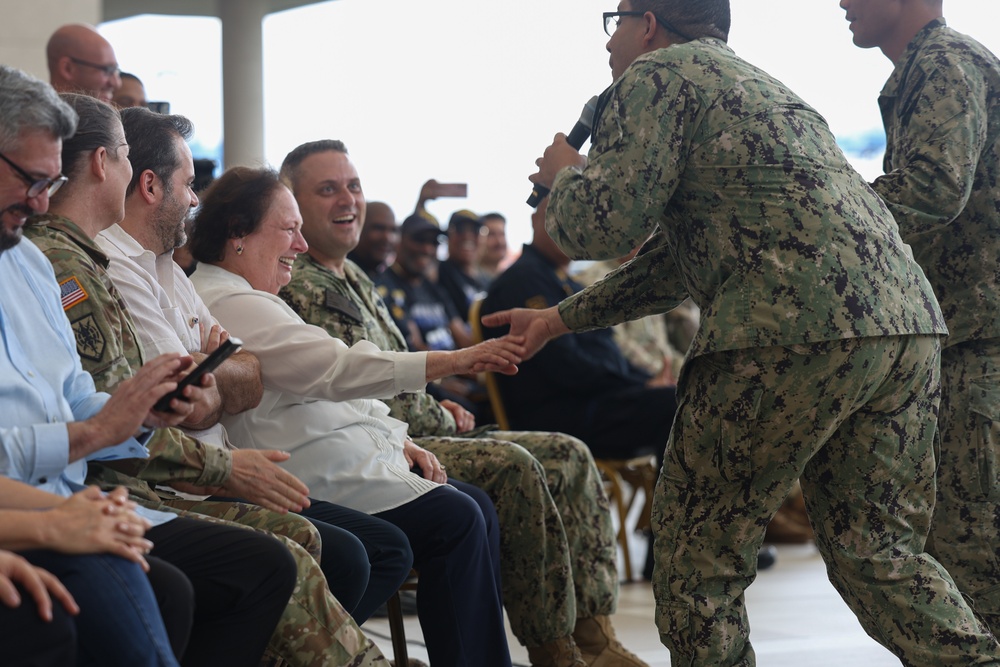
column 119, row 621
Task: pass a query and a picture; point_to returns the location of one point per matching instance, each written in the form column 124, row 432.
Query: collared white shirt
column 346, row 449
column 167, row 312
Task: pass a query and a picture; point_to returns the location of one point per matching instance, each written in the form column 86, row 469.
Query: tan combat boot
column 599, row 646
column 561, row 652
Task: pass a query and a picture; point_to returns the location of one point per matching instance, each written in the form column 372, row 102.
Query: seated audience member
column 558, row 537
column 76, row 592
column 171, row 317
column 110, row 350
column 81, row 61
column 418, row 305
column 376, row 247
column 343, row 446
column 457, row 275
column 579, row 384
column 131, row 94
column 492, row 259
column 423, row 311
column 54, row 422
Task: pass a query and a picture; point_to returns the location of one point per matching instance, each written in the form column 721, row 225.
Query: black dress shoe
column 766, row 557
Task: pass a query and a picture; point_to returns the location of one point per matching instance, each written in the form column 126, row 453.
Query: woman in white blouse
column 319, row 405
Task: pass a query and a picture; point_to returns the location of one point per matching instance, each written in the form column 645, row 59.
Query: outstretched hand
column 534, row 327
column 498, row 355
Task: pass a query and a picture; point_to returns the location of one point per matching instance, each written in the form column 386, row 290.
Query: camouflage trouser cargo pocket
column 984, row 417
column 673, row 620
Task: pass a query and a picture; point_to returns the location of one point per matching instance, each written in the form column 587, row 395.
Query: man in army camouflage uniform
column 314, row 630
column 818, row 351
column 557, row 544
column 941, row 109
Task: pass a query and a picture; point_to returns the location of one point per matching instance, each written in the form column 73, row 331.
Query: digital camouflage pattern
column 315, row 630
column 759, row 216
column 557, row 544
column 941, row 111
column 854, row 419
column 809, row 362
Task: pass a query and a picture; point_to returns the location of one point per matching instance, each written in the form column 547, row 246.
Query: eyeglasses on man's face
column 36, row 186
column 108, row 70
column 612, row 19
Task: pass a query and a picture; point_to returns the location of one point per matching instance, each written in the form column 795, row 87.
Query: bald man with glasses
column 81, row 61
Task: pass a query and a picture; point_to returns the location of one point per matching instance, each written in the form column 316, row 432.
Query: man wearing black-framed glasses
column 30, row 162
column 819, row 347
column 80, row 60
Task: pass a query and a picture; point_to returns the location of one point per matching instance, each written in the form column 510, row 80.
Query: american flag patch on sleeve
column 72, row 293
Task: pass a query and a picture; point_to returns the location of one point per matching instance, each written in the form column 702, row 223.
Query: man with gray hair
column 52, row 421
column 819, row 347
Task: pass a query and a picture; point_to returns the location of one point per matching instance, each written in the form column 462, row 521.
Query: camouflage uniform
column 557, row 543
column 315, row 629
column 817, row 355
column 941, row 110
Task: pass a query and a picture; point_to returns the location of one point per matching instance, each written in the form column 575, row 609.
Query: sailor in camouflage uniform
column 941, row 110
column 315, row 630
column 819, row 346
column 557, row 544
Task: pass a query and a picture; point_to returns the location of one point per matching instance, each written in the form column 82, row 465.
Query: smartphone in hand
column 210, row 363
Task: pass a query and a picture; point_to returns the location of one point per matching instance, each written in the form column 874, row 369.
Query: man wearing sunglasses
column 81, row 61
column 818, row 352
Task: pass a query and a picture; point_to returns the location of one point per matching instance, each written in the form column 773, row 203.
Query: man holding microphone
column 817, row 356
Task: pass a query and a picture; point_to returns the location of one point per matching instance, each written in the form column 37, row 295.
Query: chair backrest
column 492, row 386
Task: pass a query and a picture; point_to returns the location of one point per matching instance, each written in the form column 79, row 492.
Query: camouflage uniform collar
column 902, row 68
column 70, row 229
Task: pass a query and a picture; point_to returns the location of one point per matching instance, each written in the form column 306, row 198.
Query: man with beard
column 364, row 559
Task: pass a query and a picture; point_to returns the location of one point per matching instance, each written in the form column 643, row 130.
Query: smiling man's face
column 332, row 203
column 39, row 154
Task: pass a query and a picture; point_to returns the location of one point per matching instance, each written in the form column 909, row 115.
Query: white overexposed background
column 472, row 92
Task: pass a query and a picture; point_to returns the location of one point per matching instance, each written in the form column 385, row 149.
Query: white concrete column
column 242, row 81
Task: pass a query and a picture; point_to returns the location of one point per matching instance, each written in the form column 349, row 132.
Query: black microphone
column 579, row 134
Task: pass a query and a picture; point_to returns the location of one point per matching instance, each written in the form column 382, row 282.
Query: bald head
column 81, row 61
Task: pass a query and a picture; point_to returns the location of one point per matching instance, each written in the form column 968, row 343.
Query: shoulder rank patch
column 90, row 341
column 72, row 293
column 341, row 304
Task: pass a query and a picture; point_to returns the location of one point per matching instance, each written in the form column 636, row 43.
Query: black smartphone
column 210, row 363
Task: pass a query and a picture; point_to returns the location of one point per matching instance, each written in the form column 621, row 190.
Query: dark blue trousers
column 364, row 558
column 456, row 550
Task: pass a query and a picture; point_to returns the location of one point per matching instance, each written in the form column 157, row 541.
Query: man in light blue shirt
column 52, row 421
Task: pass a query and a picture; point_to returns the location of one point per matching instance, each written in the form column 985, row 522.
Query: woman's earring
column 239, row 250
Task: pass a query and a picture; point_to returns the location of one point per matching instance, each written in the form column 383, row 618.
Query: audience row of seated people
column 279, row 433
